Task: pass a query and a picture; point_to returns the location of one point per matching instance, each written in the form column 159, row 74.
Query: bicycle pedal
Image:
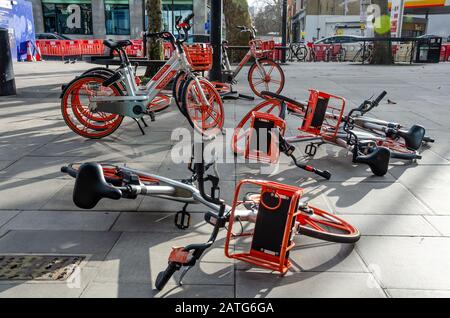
column 311, row 149
column 182, row 220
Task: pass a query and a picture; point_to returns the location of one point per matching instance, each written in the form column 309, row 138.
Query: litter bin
column 7, row 83
column 429, row 50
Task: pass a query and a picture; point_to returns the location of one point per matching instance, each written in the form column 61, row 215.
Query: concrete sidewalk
column 404, row 217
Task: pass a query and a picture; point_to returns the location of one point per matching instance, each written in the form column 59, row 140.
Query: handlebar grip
column 178, row 20
column 71, row 172
column 324, row 174
column 163, row 277
column 380, row 98
column 189, row 18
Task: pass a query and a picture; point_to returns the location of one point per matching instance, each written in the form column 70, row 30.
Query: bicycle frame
column 242, row 63
column 134, row 103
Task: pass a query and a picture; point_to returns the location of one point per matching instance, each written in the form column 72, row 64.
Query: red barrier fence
column 445, row 52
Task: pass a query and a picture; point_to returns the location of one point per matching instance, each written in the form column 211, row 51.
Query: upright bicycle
column 94, row 107
column 264, row 74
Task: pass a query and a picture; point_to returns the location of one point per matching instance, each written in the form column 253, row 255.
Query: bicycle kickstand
column 139, row 125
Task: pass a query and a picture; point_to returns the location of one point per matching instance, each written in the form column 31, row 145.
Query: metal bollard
column 7, row 82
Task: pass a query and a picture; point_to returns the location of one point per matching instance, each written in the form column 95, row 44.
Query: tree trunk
column 236, row 13
column 154, row 45
column 382, row 50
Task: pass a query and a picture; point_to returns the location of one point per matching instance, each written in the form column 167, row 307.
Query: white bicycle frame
column 147, row 93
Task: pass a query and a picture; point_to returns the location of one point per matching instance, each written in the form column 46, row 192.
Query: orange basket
column 199, row 56
column 259, row 48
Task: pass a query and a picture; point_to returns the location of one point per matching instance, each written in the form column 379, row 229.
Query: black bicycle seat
column 378, row 160
column 284, row 98
column 91, row 187
column 117, row 44
column 413, row 137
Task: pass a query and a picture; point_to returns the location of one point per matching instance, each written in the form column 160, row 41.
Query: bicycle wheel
column 242, row 130
column 325, row 226
column 270, row 78
column 207, row 120
column 99, row 71
column 159, row 103
column 302, row 54
column 75, row 107
column 316, row 223
column 177, row 90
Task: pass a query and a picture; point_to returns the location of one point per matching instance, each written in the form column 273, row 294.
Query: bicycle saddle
column 413, row 137
column 378, row 160
column 91, row 187
column 285, row 99
column 117, row 44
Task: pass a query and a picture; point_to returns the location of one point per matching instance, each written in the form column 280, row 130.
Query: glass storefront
column 171, row 9
column 117, row 17
column 67, row 17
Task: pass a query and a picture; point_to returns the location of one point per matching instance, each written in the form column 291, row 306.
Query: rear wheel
column 207, row 120
column 75, row 107
column 177, row 90
column 269, row 78
column 316, row 223
column 159, row 103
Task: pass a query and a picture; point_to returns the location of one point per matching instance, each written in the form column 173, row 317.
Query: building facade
column 315, row 19
column 117, row 19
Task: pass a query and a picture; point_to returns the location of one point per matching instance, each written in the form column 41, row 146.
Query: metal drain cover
column 38, row 267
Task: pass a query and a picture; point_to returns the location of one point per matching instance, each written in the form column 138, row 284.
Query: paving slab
column 27, row 194
column 154, row 222
column 312, row 255
column 139, row 257
column 63, row 201
column 306, row 285
column 408, row 262
column 62, row 220
column 441, row 223
column 136, row 290
column 35, row 167
column 418, row 293
column 5, row 216
column 95, row 244
column 373, row 198
column 393, row 225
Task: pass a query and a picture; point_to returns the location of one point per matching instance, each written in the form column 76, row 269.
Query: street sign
column 397, row 10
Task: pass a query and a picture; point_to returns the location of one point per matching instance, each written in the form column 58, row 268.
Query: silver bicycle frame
column 140, row 96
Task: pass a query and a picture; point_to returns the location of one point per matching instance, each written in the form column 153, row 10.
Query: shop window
column 171, row 9
column 67, row 18
column 117, row 17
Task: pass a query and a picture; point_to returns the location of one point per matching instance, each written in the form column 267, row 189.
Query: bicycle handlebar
column 379, row 99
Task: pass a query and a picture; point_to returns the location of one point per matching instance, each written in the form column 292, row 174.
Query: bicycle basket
column 259, row 48
column 199, row 56
column 323, row 115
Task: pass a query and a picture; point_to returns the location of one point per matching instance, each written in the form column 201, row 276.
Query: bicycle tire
column 208, row 129
column 268, row 78
column 97, row 129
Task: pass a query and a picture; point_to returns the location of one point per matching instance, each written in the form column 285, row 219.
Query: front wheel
column 325, row 226
column 206, row 119
column 268, row 76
